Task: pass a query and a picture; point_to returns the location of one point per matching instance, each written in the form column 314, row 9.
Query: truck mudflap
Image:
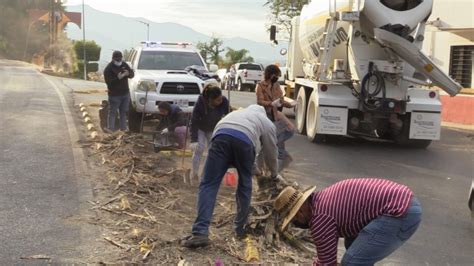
column 332, row 120
column 425, row 125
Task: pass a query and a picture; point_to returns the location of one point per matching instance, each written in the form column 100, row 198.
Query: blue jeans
column 203, row 142
column 283, row 134
column 225, row 151
column 120, row 104
column 382, row 236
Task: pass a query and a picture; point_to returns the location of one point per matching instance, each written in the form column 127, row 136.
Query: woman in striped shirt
column 374, row 216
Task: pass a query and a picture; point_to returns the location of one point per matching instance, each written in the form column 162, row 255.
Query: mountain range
column 117, row 32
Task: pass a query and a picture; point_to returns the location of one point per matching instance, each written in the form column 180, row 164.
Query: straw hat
column 289, row 202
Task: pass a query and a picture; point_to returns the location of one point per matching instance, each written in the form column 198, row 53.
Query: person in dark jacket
column 116, row 76
column 173, row 121
column 210, row 108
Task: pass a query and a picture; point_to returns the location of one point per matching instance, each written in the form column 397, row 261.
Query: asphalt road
column 40, row 193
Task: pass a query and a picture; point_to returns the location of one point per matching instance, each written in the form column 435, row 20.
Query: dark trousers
column 225, row 151
column 120, row 104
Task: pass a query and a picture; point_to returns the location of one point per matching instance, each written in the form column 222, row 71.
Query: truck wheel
column 134, row 120
column 300, row 111
column 311, row 119
column 403, row 139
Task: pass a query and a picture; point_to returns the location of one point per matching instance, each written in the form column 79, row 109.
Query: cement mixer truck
column 357, row 69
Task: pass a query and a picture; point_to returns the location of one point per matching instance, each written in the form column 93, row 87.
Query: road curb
column 457, row 126
column 94, row 135
column 90, row 127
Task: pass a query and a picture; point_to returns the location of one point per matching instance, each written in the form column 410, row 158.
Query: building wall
column 437, row 45
column 453, row 13
column 457, row 13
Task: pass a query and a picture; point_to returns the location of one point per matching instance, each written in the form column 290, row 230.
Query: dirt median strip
column 144, row 203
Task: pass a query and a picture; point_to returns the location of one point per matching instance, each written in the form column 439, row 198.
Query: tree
column 17, row 29
column 203, row 49
column 92, row 54
column 235, row 56
column 282, row 11
column 211, row 50
column 126, row 54
column 92, row 50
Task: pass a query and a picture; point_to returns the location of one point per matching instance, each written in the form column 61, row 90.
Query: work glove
column 277, row 103
column 165, row 131
column 193, row 146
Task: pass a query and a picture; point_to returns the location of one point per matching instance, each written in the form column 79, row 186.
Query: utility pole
column 148, row 29
column 51, row 32
column 84, row 40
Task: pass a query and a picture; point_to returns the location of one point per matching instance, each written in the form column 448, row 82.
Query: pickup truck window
column 166, row 60
column 250, row 67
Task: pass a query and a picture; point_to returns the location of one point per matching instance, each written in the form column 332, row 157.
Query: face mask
column 274, row 79
column 118, row 63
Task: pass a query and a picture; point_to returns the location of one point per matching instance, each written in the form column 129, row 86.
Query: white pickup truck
column 160, row 76
column 248, row 75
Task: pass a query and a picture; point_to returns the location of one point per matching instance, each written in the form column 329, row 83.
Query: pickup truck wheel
column 252, row 88
column 134, row 120
column 300, row 111
column 240, row 86
column 312, row 118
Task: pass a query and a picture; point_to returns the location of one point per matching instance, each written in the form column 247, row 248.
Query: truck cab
column 160, row 76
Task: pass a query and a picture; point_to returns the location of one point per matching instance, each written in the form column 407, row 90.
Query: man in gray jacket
column 234, row 142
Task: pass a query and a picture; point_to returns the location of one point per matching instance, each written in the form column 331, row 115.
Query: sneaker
column 195, row 241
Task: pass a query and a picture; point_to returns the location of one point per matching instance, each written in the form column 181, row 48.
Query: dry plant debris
column 147, row 209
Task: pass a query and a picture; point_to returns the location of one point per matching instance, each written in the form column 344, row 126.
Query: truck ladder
column 327, row 42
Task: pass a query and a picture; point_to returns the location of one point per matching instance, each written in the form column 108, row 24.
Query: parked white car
column 248, row 75
column 160, row 76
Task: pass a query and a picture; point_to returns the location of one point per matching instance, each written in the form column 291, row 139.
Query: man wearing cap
column 234, row 141
column 116, row 76
column 374, row 216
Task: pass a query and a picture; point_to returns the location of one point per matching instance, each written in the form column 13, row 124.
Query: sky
column 223, row 18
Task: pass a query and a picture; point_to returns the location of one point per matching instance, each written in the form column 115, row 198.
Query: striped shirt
column 343, row 209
